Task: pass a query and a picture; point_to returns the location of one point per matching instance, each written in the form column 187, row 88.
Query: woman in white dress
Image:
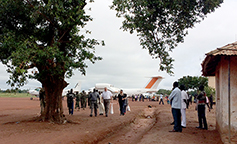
column 100, row 105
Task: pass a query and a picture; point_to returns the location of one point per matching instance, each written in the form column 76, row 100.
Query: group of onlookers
column 179, row 101
column 82, row 97
column 136, row 97
column 96, row 100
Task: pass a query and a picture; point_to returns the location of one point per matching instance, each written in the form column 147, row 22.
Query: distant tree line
column 13, row 91
column 164, row 91
column 192, row 84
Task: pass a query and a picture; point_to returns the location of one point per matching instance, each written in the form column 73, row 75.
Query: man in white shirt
column 175, row 99
column 107, row 96
column 161, row 99
column 184, row 100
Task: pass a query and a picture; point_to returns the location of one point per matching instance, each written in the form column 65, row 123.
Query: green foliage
column 193, row 92
column 164, row 92
column 162, row 24
column 41, row 39
column 193, row 82
column 210, row 91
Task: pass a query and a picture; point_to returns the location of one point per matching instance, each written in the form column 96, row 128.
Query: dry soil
column 141, row 125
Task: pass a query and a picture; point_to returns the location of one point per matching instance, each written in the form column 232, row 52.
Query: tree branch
column 41, row 13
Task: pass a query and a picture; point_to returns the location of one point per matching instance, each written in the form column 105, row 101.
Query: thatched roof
column 213, row 57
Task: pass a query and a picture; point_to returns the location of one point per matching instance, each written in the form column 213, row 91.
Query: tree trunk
column 53, row 110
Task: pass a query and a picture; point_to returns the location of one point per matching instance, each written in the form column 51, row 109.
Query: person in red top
column 201, row 108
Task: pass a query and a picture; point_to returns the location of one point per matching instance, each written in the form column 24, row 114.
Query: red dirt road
column 142, row 125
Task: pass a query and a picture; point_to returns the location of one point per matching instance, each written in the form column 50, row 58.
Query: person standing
column 167, row 100
column 88, row 100
column 184, row 101
column 93, row 102
column 100, row 105
column 133, row 97
column 121, row 98
column 83, row 100
column 161, row 99
column 175, row 99
column 107, row 96
column 70, row 97
column 201, row 102
column 77, row 101
column 190, row 99
column 42, row 99
column 211, row 101
column 142, row 97
column 126, row 105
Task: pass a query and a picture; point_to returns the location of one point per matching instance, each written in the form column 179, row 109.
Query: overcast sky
column 126, row 65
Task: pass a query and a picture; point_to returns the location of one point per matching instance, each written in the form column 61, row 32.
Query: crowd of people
column 96, row 100
column 178, row 99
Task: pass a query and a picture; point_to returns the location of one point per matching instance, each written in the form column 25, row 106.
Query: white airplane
column 77, row 88
column 35, row 92
column 151, row 87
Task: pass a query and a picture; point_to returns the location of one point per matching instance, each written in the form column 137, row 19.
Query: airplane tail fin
column 77, row 88
column 154, row 82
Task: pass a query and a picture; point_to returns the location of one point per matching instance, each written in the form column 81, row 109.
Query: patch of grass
column 15, row 95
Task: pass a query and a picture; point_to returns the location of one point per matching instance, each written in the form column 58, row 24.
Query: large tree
column 162, row 24
column 193, row 82
column 43, row 40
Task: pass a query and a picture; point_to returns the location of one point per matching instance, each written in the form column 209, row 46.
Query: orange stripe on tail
column 151, row 83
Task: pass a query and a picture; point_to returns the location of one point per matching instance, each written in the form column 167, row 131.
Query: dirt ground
column 141, row 125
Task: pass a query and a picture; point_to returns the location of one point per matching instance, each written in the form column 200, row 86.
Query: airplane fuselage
column 151, row 87
column 138, row 91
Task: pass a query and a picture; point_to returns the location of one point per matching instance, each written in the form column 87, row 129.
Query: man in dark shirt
column 93, row 101
column 211, row 101
column 121, row 98
column 70, row 97
column 77, row 101
column 201, row 108
column 83, row 99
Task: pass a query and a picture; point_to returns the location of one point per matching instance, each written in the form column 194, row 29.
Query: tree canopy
column 162, row 24
column 193, row 82
column 45, row 40
column 44, row 34
column 210, row 91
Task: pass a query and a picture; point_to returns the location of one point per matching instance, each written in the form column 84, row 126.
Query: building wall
column 218, row 102
column 211, row 82
column 222, row 113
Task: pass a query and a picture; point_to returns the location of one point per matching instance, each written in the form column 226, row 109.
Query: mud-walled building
column 222, row 63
